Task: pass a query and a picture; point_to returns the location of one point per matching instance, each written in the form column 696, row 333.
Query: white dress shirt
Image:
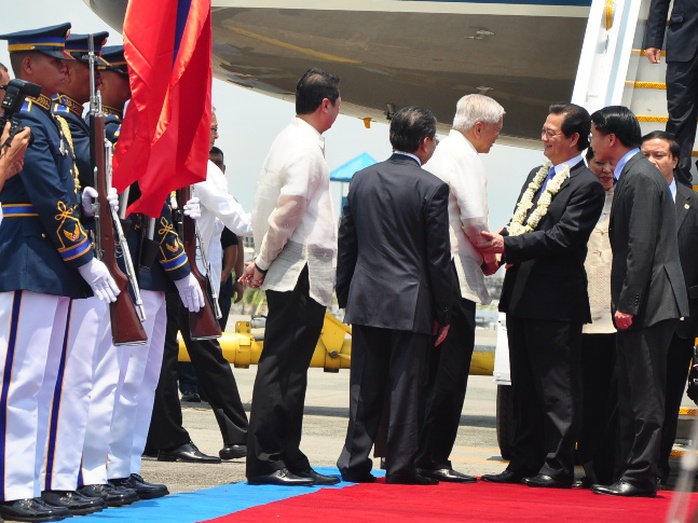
column 293, row 219
column 458, row 164
column 218, row 210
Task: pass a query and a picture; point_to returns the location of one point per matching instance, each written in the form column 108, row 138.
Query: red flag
column 164, row 139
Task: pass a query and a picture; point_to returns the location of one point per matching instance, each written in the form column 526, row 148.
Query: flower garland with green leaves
column 519, row 224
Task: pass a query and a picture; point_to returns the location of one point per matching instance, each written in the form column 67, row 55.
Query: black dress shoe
column 112, row 495
column 233, row 452
column 74, row 502
column 32, row 510
column 503, row 477
column 544, row 480
column 623, row 488
column 144, row 489
column 447, row 474
column 191, row 396
column 318, row 479
column 282, row 477
column 187, row 453
column 410, row 479
column 358, row 478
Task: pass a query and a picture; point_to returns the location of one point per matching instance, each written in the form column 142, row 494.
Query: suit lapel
column 683, row 205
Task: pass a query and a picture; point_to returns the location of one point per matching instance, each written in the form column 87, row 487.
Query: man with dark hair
column 296, row 241
column 89, row 371
column 138, row 367
column 681, row 71
column 47, row 261
column 648, row 295
column 546, row 301
column 394, row 278
column 662, row 150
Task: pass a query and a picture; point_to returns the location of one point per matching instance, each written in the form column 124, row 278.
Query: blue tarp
column 343, row 173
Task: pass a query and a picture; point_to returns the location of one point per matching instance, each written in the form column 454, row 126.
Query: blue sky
column 248, row 122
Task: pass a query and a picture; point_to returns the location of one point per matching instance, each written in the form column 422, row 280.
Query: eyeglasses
column 549, row 133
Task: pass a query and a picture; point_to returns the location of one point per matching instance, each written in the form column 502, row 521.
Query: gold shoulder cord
column 65, row 131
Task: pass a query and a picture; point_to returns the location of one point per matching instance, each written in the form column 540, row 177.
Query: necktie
column 551, row 173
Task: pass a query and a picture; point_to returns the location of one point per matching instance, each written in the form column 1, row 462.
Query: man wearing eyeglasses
column 546, row 301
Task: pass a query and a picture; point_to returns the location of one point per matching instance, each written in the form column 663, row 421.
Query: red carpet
column 451, row 502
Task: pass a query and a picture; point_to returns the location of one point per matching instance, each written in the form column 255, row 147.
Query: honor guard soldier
column 48, row 260
column 139, row 367
column 78, row 448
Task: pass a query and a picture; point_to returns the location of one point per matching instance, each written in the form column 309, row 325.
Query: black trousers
column 216, row 383
column 449, row 365
column 293, row 327
column 642, row 364
column 545, row 358
column 678, row 361
column 598, row 437
column 393, row 360
column 682, row 105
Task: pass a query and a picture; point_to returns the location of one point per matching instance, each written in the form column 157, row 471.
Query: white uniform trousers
column 105, row 369
column 139, row 372
column 69, row 402
column 32, row 339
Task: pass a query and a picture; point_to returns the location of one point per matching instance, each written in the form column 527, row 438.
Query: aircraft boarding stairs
column 613, row 70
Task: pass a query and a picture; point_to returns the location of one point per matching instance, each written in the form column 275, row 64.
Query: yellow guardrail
column 243, row 348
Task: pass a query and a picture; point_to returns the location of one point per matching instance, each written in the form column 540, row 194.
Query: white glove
column 89, row 197
column 190, row 292
column 96, row 274
column 113, row 199
column 192, row 208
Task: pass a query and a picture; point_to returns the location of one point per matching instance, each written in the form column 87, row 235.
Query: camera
column 15, row 93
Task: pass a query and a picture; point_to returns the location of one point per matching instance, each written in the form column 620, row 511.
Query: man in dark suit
column 394, row 278
column 545, row 298
column 681, row 72
column 648, row 295
column 662, row 150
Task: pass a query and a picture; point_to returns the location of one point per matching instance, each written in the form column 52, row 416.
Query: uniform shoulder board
column 27, row 106
column 60, row 109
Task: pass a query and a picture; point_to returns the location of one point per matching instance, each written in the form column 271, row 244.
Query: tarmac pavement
column 324, row 428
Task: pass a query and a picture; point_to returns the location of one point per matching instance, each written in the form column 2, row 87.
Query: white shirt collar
column 570, row 163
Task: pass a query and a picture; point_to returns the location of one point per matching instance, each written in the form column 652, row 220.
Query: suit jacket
column 42, row 242
column 687, row 223
column 548, row 280
column 394, row 258
column 682, row 38
column 646, row 278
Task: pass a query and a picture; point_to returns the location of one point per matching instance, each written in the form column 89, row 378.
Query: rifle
column 203, row 324
column 126, row 319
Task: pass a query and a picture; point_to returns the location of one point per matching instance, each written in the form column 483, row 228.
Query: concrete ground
column 324, row 428
column 326, row 413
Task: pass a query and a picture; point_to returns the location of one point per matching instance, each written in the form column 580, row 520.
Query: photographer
column 12, row 153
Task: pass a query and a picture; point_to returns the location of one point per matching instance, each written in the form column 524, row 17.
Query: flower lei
column 519, row 224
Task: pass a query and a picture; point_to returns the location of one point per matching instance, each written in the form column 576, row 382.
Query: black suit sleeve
column 346, row 253
column 656, row 24
column 643, row 231
column 439, row 253
column 571, row 231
